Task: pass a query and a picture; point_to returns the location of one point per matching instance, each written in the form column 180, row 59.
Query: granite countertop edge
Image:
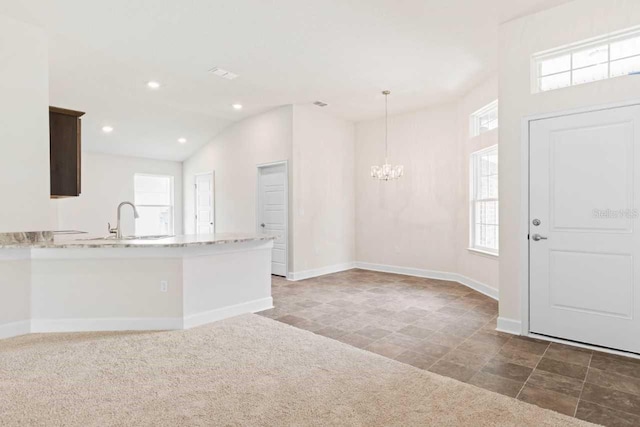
column 168, row 242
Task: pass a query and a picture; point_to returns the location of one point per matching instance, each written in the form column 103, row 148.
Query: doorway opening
column 579, row 239
column 204, row 203
column 273, row 212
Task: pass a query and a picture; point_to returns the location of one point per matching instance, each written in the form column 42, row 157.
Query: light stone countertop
column 46, row 240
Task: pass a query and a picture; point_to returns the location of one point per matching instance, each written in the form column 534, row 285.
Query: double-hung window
column 154, row 201
column 484, row 230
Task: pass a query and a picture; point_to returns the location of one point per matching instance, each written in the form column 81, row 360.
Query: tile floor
column 449, row 329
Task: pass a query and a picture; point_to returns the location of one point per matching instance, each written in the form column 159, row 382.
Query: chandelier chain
column 386, row 171
column 386, row 127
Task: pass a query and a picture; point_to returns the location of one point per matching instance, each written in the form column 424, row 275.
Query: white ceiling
column 343, row 52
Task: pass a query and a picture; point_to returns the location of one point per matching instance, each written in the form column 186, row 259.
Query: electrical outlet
column 164, row 286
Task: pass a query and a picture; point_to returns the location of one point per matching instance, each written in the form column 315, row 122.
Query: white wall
column 24, row 161
column 107, row 180
column 113, row 285
column 24, row 133
column 320, row 152
column 15, row 292
column 234, row 155
column 479, row 267
column 323, row 190
column 421, row 221
column 410, row 222
column 519, row 39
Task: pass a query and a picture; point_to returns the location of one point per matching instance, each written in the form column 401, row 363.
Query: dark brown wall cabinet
column 65, row 143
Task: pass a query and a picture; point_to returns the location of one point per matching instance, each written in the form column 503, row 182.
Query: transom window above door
column 484, row 224
column 154, row 201
column 605, row 57
column 485, row 119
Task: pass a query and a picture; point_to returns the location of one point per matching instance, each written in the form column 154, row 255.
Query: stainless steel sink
column 158, row 237
column 114, row 239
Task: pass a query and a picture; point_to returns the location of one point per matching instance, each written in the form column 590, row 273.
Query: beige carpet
column 247, row 371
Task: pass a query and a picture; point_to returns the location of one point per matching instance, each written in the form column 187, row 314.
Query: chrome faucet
column 118, row 230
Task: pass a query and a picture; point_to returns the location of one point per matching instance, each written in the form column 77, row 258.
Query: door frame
column 523, row 228
column 195, row 200
column 259, row 168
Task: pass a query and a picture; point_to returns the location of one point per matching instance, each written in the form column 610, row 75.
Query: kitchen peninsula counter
column 73, row 283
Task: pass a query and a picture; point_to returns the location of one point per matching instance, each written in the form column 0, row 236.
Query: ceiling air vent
column 223, row 73
column 320, row 104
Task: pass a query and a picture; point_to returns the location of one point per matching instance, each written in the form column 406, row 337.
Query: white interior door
column 205, row 217
column 272, row 212
column 585, row 249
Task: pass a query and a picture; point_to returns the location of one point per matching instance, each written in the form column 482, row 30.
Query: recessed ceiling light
column 237, row 106
column 153, row 85
column 182, row 140
column 107, row 129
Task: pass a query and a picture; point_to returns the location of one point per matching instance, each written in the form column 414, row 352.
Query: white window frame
column 172, row 198
column 569, row 50
column 477, row 115
column 474, row 179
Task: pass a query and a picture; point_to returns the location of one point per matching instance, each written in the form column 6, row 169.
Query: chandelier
column 387, row 171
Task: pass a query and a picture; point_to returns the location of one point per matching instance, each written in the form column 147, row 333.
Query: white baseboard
column 431, row 274
column 308, row 274
column 225, row 312
column 105, row 324
column 144, row 324
column 476, row 286
column 407, row 271
column 13, row 329
column 509, row 326
column 131, row 324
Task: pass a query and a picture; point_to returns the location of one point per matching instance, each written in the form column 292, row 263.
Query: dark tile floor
column 449, row 329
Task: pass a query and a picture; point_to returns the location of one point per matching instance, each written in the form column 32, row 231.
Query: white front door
column 272, row 212
column 584, row 244
column 204, row 204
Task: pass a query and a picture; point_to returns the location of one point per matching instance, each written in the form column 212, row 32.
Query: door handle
column 537, row 237
column 262, row 225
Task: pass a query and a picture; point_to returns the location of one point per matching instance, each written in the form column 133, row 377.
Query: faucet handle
column 111, row 230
